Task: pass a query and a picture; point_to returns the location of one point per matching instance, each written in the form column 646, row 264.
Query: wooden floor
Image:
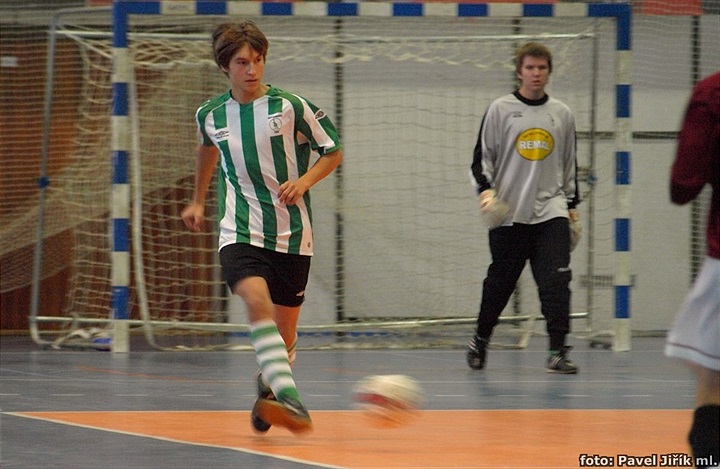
column 166, row 409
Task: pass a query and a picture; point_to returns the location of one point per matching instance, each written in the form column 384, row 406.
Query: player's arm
column 315, row 126
column 291, row 191
column 194, row 213
column 493, row 211
column 479, row 167
column 571, row 188
column 570, row 183
column 693, row 158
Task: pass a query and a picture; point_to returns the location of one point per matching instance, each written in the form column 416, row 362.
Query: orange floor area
column 436, row 439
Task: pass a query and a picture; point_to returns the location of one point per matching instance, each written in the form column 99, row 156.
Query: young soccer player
column 524, row 169
column 262, row 138
column 695, row 334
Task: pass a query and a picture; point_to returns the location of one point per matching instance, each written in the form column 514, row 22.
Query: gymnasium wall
column 663, row 77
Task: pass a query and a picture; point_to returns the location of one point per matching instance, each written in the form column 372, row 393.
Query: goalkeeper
column 524, row 170
column 262, row 138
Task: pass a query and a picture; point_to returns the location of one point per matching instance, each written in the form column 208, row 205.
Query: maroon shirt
column 697, row 160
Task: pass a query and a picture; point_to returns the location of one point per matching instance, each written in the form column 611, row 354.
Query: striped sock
column 272, row 357
column 291, row 357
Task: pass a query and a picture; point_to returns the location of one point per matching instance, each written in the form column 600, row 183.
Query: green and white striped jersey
column 263, row 144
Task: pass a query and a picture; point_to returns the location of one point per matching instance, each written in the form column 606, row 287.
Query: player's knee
column 554, row 292
column 557, row 281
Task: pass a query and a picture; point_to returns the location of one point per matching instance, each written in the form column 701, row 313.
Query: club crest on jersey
column 535, row 144
column 275, row 123
column 221, row 134
column 319, row 114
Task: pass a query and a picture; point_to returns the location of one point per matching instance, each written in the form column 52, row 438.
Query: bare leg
column 286, row 318
column 708, row 386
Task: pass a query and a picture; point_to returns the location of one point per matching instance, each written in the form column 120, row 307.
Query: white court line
column 173, row 440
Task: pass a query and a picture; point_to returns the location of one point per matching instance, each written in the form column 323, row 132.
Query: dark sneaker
column 476, row 353
column 287, row 413
column 263, row 392
column 559, row 363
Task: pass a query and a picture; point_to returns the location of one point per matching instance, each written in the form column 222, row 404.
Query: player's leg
column 694, row 338
column 251, row 273
column 704, row 436
column 550, row 264
column 286, row 285
column 287, row 290
column 508, row 260
column 272, row 356
column 286, row 319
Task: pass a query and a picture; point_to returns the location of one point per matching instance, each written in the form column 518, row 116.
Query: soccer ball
column 388, row 401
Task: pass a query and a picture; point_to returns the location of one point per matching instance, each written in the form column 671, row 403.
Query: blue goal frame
column 121, row 132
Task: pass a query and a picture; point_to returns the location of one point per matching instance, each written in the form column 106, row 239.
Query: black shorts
column 286, row 274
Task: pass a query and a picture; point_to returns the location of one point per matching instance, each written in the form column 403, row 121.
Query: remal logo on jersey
column 535, row 144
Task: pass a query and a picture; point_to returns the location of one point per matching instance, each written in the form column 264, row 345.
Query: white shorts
column 695, row 334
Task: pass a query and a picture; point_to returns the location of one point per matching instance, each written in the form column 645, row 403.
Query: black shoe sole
column 264, row 392
column 475, row 367
column 560, row 372
column 258, row 424
column 472, row 358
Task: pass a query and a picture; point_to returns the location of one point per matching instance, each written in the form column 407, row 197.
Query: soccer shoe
column 287, row 413
column 476, row 353
column 559, row 363
column 263, row 392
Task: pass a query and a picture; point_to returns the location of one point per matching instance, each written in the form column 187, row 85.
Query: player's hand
column 291, row 191
column 193, row 216
column 493, row 211
column 575, row 228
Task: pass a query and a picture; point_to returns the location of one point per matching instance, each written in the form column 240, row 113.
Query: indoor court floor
column 151, row 409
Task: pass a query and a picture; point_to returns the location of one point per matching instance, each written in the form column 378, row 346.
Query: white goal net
column 400, row 250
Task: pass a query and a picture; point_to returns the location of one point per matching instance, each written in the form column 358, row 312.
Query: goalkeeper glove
column 493, row 211
column 575, row 228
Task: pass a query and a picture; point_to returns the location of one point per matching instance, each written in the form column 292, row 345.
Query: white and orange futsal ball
column 388, row 401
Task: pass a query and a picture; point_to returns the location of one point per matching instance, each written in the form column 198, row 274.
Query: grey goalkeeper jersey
column 526, row 151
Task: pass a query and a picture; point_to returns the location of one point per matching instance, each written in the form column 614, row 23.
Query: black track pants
column 547, row 246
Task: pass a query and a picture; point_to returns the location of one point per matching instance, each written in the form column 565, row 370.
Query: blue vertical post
column 623, row 173
column 120, row 191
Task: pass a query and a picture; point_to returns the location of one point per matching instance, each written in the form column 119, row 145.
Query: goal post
column 400, row 250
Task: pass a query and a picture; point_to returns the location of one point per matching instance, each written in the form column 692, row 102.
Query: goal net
column 400, row 250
